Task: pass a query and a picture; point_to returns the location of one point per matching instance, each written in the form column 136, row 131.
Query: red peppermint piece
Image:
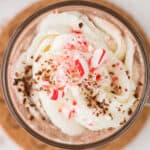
column 74, row 102
column 115, row 78
column 76, row 31
column 91, row 124
column 54, row 95
column 71, row 114
column 70, row 46
column 89, row 61
column 59, row 110
column 79, row 67
column 92, row 69
column 98, row 77
column 101, row 56
column 63, row 94
column 45, row 85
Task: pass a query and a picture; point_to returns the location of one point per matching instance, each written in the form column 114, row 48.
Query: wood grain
column 19, row 134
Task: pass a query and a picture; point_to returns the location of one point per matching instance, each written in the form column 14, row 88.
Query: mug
column 22, row 38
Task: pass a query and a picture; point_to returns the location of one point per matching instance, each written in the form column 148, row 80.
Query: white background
column 139, row 9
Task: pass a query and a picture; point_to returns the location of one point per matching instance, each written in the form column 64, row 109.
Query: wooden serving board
column 18, row 134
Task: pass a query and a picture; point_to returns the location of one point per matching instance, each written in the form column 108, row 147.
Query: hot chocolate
column 79, row 74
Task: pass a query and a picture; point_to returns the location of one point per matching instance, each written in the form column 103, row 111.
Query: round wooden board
column 18, row 134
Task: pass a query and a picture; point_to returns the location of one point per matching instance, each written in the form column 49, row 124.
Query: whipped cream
column 83, row 70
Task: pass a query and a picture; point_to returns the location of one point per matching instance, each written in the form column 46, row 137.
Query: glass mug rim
column 19, row 30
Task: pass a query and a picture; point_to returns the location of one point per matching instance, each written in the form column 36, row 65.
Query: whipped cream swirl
column 83, row 69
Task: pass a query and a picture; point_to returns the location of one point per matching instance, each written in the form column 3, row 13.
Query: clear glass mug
column 22, row 38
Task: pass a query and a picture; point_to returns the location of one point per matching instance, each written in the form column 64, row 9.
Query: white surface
column 6, row 143
column 139, row 9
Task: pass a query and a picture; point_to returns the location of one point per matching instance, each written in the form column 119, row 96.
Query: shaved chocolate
column 123, row 122
column 27, row 69
column 110, row 128
column 24, row 100
column 135, row 95
column 31, row 57
column 31, row 117
column 120, row 87
column 119, row 109
column 126, row 90
column 17, row 74
column 111, row 73
column 38, row 73
column 38, row 58
column 113, row 92
column 32, row 105
column 129, row 111
column 16, row 81
column 43, row 118
column 80, row 25
column 140, row 83
column 110, row 116
column 127, row 72
column 114, row 65
column 19, row 90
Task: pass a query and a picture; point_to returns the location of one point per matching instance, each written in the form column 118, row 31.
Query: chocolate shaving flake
column 120, row 87
column 43, row 118
column 31, row 118
column 28, row 109
column 126, row 90
column 123, row 122
column 24, row 100
column 38, row 73
column 135, row 95
column 140, row 83
column 114, row 65
column 28, row 68
column 19, row 90
column 16, row 81
column 27, row 86
column 113, row 92
column 80, row 25
column 129, row 111
column 31, row 57
column 127, row 72
column 110, row 116
column 110, row 128
column 111, row 73
column 32, row 105
column 119, row 109
column 38, row 58
column 17, row 74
